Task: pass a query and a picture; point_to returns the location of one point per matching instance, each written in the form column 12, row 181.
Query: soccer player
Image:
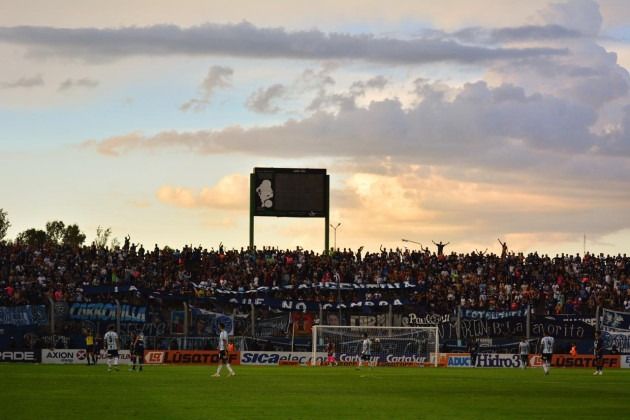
column 89, row 347
column 138, row 352
column 473, row 349
column 546, row 344
column 132, row 353
column 330, row 349
column 523, row 348
column 223, row 355
column 366, row 351
column 112, row 343
column 598, row 351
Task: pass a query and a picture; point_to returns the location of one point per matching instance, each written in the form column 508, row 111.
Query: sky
column 452, row 121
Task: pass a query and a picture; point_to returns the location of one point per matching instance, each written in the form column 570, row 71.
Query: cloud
column 247, row 40
column 218, row 77
column 549, row 32
column 281, row 97
column 424, row 203
column 229, row 193
column 348, row 100
column 77, row 83
column 579, row 15
column 24, row 82
column 480, row 117
column 589, row 75
column 262, row 99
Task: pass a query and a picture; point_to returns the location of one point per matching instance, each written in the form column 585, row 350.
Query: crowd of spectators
column 559, row 284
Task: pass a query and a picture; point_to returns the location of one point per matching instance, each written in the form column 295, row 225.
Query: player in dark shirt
column 138, row 352
column 598, row 351
column 473, row 349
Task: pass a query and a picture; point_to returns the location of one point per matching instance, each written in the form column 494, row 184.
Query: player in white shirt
column 523, row 349
column 223, row 356
column 112, row 345
column 546, row 344
column 366, row 351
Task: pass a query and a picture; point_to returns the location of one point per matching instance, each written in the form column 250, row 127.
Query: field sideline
column 165, row 392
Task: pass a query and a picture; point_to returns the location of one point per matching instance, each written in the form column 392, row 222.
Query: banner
column 563, row 326
column 271, row 358
column 207, row 322
column 107, row 312
column 580, row 361
column 470, row 327
column 304, row 306
column 354, row 287
column 392, row 360
column 23, row 316
column 277, row 326
column 493, row 360
column 478, row 328
column 625, row 362
column 189, row 357
column 302, row 323
column 481, row 314
column 615, row 320
column 428, row 320
column 79, row 356
column 488, row 324
column 458, row 360
column 378, row 320
column 20, row 356
column 619, row 340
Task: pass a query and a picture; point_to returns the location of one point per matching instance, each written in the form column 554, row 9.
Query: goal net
column 388, row 346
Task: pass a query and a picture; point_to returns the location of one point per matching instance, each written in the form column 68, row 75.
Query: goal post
column 390, row 346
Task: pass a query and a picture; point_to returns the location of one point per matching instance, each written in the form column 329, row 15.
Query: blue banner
column 563, row 326
column 615, row 320
column 107, row 312
column 619, row 340
column 304, row 306
column 23, row 316
column 481, row 314
column 207, row 322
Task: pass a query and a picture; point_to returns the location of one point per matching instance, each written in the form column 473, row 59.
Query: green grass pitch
column 176, row 392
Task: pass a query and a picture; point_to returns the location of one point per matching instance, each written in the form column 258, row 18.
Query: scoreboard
column 289, row 192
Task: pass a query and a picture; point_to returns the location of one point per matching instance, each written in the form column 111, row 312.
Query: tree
column 102, row 236
column 4, row 224
column 55, row 231
column 115, row 243
column 73, row 236
column 33, row 237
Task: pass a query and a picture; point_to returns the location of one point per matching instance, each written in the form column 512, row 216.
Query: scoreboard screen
column 285, row 192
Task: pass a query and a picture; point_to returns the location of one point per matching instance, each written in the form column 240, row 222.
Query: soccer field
column 165, row 392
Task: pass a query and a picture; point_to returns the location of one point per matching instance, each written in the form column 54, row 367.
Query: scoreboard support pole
column 327, row 217
column 252, row 200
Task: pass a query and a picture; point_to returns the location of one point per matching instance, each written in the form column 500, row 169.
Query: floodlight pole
column 335, row 232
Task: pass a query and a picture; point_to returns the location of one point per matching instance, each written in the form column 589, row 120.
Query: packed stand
column 560, row 284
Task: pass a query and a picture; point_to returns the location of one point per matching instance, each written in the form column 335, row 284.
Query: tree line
column 55, row 232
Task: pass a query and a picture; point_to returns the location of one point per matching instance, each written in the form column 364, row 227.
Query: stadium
column 298, row 210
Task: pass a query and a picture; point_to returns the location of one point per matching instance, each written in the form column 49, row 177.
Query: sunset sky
column 451, row 120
